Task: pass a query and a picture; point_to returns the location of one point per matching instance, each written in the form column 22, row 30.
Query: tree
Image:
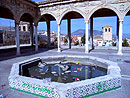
column 125, row 43
column 113, row 44
column 76, row 43
column 83, row 39
column 65, row 40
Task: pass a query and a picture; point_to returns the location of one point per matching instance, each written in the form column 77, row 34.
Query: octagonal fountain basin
column 65, row 76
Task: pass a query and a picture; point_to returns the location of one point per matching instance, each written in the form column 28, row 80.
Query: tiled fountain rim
column 113, row 72
column 108, row 62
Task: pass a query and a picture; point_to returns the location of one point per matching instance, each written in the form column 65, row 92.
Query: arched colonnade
column 48, row 16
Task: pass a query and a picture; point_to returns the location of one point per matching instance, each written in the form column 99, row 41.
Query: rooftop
column 30, row 1
column 107, row 25
column 97, row 37
column 56, row 1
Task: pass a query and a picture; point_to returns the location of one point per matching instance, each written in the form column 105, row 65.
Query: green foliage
column 66, row 40
column 83, row 39
column 42, row 43
column 125, row 43
column 113, row 44
column 76, row 43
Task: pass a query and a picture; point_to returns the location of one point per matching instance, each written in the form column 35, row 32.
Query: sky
column 76, row 24
column 98, row 23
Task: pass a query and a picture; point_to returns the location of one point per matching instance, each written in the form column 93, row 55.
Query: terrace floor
column 8, row 57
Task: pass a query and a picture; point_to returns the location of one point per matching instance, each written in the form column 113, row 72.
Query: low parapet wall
column 80, row 89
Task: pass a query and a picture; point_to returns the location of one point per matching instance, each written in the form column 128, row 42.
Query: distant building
column 79, row 37
column 8, row 37
column 42, row 35
column 7, row 34
column 7, row 28
column 24, row 26
column 74, row 38
column 62, row 38
column 53, row 37
column 98, row 40
column 107, row 33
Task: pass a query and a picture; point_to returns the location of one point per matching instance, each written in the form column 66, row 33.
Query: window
column 105, row 29
column 19, row 28
column 24, row 28
column 109, row 29
column 1, row 38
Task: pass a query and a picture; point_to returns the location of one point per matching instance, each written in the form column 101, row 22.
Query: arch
column 7, row 9
column 104, row 7
column 71, row 10
column 125, row 12
column 46, row 13
column 28, row 17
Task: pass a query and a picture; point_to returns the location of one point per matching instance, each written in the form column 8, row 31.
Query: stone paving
column 124, row 92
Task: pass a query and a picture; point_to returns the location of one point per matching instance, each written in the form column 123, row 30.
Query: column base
column 69, row 47
column 119, row 53
column 18, row 53
column 59, row 50
column 86, row 51
column 48, row 45
column 117, row 45
column 36, row 50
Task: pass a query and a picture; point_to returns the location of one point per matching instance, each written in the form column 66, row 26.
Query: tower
column 107, row 33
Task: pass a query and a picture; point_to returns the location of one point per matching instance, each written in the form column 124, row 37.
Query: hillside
column 82, row 31
column 96, row 32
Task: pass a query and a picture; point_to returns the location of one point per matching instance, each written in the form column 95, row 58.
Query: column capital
column 121, row 20
column 48, row 23
column 36, row 24
column 58, row 23
column 86, row 21
column 17, row 22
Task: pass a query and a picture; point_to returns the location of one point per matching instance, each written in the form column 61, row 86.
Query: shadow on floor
column 6, row 54
column 127, row 61
column 91, row 50
column 63, row 49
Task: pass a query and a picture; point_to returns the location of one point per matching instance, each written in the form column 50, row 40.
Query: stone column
column 69, row 33
column 117, row 34
column 91, row 32
column 31, row 33
column 48, row 33
column 86, row 38
column 59, row 40
column 120, row 37
column 36, row 38
column 17, row 37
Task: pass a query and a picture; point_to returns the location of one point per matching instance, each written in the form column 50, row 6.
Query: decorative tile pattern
column 34, row 88
column 77, row 92
column 91, row 89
